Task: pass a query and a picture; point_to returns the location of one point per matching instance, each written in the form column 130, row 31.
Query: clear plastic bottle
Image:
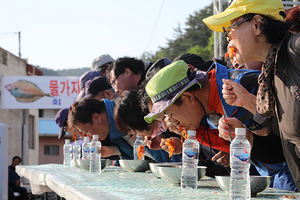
column 76, row 150
column 139, row 141
column 190, row 158
column 86, row 148
column 240, row 164
column 95, row 159
column 67, row 153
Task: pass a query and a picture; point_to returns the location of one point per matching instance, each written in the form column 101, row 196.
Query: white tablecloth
column 115, row 183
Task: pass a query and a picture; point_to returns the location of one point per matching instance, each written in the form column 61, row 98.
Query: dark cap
column 96, row 85
column 60, row 119
column 192, row 59
column 155, row 67
column 88, row 75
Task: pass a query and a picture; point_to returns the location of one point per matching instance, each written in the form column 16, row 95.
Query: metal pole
column 215, row 11
column 19, row 44
column 220, row 35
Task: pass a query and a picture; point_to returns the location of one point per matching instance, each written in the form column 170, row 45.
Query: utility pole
column 19, row 44
column 19, row 36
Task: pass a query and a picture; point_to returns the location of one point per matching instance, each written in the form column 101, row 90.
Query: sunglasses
column 235, row 24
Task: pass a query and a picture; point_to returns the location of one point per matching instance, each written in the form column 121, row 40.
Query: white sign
column 43, row 92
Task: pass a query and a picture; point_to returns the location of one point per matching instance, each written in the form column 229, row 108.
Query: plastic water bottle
column 139, row 141
column 76, row 150
column 240, row 164
column 86, row 148
column 190, row 158
column 67, row 153
column 95, row 159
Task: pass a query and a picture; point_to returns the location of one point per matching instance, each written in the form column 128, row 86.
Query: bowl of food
column 135, row 165
column 153, row 167
column 85, row 163
column 172, row 174
column 74, row 163
column 257, row 183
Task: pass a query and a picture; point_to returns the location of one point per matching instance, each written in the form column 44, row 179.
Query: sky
column 69, row 34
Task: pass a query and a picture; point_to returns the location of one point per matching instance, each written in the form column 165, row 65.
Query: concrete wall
column 11, row 65
column 33, row 154
column 44, row 159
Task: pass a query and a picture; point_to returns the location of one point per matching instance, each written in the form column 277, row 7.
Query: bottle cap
column 95, row 137
column 86, row 139
column 191, row 133
column 67, row 140
column 240, row 131
column 76, row 142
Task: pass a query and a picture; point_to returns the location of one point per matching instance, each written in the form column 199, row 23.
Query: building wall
column 11, row 65
column 33, row 154
column 49, row 113
column 44, row 159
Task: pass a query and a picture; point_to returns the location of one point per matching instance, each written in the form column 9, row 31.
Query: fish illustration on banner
column 25, row 91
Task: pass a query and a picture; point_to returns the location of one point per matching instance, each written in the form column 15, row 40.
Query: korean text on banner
column 43, row 92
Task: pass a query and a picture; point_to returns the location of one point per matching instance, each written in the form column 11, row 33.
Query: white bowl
column 135, row 165
column 74, row 162
column 153, row 167
column 85, row 163
column 257, row 183
column 172, row 174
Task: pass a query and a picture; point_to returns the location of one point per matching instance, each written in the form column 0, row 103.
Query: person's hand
column 168, row 124
column 227, row 125
column 18, row 182
column 222, row 158
column 107, row 151
column 153, row 144
column 178, row 145
column 234, row 93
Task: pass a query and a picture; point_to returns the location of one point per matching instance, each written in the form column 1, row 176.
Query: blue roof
column 48, row 127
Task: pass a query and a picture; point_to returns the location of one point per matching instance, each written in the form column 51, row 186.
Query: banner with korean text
column 43, row 92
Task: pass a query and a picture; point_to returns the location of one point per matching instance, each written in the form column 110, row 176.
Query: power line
column 10, row 33
column 155, row 24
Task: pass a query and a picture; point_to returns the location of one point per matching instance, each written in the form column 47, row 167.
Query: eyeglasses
column 113, row 83
column 235, row 24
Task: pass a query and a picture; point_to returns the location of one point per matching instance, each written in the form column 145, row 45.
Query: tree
column 193, row 38
column 205, row 52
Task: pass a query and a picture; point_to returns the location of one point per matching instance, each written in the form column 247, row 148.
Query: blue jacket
column 115, row 135
column 244, row 77
column 12, row 176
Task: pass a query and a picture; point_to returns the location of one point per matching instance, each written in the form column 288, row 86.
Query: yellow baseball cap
column 238, row 8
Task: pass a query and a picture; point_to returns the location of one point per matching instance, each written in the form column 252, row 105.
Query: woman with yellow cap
column 257, row 30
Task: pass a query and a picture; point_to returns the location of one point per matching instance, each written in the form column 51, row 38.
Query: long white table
column 115, row 183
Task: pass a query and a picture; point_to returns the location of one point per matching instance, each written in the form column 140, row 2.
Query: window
column 51, row 150
column 41, row 113
column 31, row 132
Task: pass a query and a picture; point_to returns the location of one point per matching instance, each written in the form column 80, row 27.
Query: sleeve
column 270, row 123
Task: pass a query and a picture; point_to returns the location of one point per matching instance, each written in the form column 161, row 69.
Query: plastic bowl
column 85, row 163
column 135, row 165
column 74, row 162
column 153, row 167
column 257, row 183
column 172, row 174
